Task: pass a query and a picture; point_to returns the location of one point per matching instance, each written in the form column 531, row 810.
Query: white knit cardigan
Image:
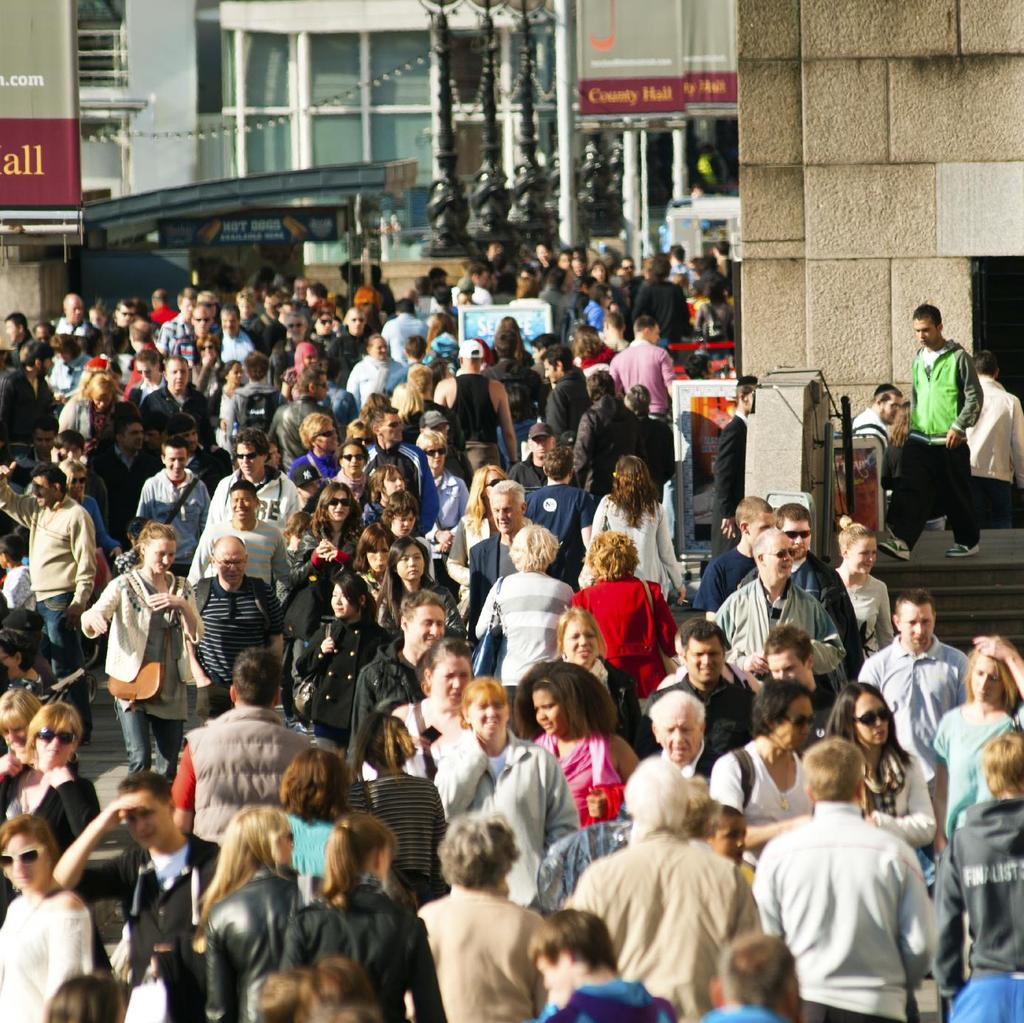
column 123, row 604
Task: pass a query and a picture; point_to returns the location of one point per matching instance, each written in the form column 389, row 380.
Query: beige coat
column 480, row 942
column 671, row 906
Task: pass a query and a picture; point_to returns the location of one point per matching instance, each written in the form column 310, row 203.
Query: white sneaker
column 894, row 547
column 960, row 550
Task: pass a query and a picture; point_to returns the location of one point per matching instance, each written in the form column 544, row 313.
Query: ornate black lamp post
column 489, row 199
column 529, row 215
column 592, row 193
column 446, row 210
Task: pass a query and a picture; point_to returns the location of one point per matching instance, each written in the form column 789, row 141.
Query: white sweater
column 850, row 902
column 41, row 945
column 658, row 561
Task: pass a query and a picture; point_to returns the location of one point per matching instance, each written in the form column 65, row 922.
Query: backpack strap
column 746, row 762
column 202, row 591
column 259, row 591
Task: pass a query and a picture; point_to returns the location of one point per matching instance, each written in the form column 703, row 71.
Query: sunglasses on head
column 336, row 502
column 25, row 856
column 872, row 717
column 48, row 735
column 798, row 534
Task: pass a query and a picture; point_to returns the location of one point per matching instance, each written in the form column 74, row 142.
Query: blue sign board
column 251, row 229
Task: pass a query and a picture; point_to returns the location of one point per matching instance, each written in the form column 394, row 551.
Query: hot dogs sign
column 679, row 54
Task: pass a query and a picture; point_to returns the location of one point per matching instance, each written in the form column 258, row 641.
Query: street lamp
column 488, row 197
column 529, row 214
column 446, row 209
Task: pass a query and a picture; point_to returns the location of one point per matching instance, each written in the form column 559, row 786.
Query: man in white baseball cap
column 481, row 405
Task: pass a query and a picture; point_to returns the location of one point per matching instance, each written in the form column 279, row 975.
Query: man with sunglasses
column 278, row 497
column 770, row 599
column 159, row 881
column 389, row 449
column 823, row 583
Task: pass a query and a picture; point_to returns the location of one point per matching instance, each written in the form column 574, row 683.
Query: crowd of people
column 454, row 757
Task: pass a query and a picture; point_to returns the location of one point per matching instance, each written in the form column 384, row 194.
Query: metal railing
column 102, row 57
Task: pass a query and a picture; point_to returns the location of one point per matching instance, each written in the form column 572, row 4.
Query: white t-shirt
column 169, row 868
column 767, row 804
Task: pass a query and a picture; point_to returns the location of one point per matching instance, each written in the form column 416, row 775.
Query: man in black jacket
column 159, row 882
column 607, row 431
column 731, row 470
column 309, row 394
column 568, row 399
column 124, row 468
column 982, row 875
column 25, row 395
column 179, row 394
column 390, row 678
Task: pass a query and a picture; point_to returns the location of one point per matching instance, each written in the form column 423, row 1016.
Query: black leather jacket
column 245, row 942
column 387, row 940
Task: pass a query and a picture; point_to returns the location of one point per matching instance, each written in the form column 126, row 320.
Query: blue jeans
column 998, row 999
column 993, row 503
column 63, row 646
column 138, row 727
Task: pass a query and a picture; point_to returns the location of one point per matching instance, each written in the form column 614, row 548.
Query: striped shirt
column 233, row 622
column 412, row 808
column 529, row 606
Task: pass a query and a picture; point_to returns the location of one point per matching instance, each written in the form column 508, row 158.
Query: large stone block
column 773, row 203
column 773, row 314
column 773, row 250
column 849, row 319
column 863, row 211
column 769, row 111
column 956, row 111
column 877, row 28
column 846, row 111
column 945, row 283
column 991, row 26
column 979, row 209
column 35, row 289
column 767, row 29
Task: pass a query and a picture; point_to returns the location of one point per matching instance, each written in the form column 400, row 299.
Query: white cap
column 471, row 350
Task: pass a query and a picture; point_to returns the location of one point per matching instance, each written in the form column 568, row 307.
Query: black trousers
column 932, row 477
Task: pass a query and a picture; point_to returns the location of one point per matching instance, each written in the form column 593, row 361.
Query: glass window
column 228, row 67
column 337, row 138
column 403, row 137
column 390, row 50
column 268, row 148
column 266, row 72
column 334, row 70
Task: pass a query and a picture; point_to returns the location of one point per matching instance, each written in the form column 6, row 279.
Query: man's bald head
column 230, row 558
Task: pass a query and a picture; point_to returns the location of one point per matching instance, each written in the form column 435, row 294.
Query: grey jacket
column 531, row 792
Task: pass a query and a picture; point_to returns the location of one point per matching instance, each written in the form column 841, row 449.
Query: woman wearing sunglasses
column 895, row 792
column 763, row 780
column 42, row 780
column 47, row 936
column 327, row 546
column 319, row 433
column 353, row 469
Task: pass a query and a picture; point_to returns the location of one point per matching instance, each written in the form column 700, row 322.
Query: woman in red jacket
column 636, row 623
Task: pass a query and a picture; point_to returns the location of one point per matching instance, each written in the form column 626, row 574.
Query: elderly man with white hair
column 771, row 599
column 671, row 905
column 677, row 720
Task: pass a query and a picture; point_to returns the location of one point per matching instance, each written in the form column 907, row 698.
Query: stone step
column 979, row 598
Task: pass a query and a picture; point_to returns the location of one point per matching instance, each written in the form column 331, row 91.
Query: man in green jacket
column 935, row 473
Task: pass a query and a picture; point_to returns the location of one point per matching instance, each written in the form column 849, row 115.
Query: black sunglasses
column 798, row 534
column 48, row 735
column 247, row 456
column 26, row 856
column 872, row 717
column 354, row 458
column 335, row 502
column 430, row 452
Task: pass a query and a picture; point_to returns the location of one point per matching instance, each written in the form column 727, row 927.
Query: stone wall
column 880, row 149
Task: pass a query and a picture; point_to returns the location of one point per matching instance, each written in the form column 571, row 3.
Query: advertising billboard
column 679, row 54
column 39, row 148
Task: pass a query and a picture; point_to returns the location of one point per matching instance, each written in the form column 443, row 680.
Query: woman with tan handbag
column 149, row 613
